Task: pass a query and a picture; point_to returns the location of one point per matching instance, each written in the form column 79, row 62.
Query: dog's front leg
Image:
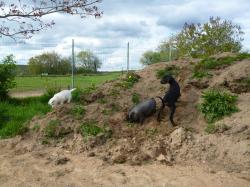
column 172, row 108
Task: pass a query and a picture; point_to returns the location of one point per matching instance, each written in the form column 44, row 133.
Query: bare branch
column 27, row 16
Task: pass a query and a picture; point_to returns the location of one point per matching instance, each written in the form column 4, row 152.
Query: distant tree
column 51, row 63
column 7, row 75
column 87, row 62
column 215, row 36
column 150, row 57
column 23, row 18
column 160, row 55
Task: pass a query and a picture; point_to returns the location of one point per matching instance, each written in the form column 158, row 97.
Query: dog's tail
column 161, row 99
column 72, row 89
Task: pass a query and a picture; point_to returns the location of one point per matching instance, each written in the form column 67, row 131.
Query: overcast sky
column 144, row 23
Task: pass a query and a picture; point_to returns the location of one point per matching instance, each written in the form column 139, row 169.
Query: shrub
column 150, row 57
column 129, row 81
column 169, row 70
column 7, row 75
column 136, row 98
column 217, row 104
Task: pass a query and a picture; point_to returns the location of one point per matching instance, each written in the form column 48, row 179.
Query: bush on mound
column 217, row 104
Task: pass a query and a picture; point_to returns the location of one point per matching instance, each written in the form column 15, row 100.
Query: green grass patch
column 50, row 131
column 201, row 69
column 169, row 70
column 136, row 98
column 211, row 128
column 15, row 113
column 78, row 111
column 129, row 81
column 90, row 128
column 217, row 104
column 81, row 82
column 151, row 132
column 36, row 128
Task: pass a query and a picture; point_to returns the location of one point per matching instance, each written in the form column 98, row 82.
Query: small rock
column 161, row 157
column 177, row 137
column 61, row 161
column 91, row 154
column 120, row 159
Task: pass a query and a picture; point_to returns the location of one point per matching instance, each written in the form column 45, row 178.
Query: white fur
column 61, row 97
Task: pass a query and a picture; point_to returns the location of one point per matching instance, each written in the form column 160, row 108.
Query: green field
column 15, row 113
column 41, row 83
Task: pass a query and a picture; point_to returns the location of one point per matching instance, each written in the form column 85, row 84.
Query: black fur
column 171, row 96
column 144, row 109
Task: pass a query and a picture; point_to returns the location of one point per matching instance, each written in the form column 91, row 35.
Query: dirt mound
column 153, row 142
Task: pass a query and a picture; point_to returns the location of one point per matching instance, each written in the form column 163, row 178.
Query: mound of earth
column 185, row 152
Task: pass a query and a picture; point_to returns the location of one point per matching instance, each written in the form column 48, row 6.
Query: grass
column 245, row 82
column 42, row 83
column 217, row 104
column 211, row 128
column 90, row 128
column 151, row 132
column 50, row 131
column 169, row 70
column 136, row 98
column 201, row 69
column 15, row 113
column 78, row 93
column 129, row 81
column 78, row 111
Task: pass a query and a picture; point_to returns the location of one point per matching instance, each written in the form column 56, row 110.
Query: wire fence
column 113, row 58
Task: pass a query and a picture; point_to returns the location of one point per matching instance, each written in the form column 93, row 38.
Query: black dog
column 171, row 96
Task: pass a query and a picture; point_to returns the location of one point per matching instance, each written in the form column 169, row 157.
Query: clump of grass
column 201, row 69
column 102, row 101
column 245, row 82
column 169, row 70
column 136, row 98
column 78, row 94
column 211, row 128
column 151, row 132
column 199, row 74
column 242, row 56
column 114, row 92
column 90, row 128
column 36, row 128
column 106, row 112
column 15, row 114
column 50, row 131
column 78, row 111
column 217, row 104
column 129, row 81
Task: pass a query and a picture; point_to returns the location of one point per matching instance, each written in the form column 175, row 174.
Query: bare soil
column 154, row 154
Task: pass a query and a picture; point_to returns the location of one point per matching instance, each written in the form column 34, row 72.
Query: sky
column 142, row 23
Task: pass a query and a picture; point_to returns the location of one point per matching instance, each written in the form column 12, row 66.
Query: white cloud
column 143, row 23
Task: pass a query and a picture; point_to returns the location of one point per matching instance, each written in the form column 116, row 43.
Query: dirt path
column 32, row 93
column 43, row 168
